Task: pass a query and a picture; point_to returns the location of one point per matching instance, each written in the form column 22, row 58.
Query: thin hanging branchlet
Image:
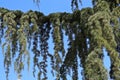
column 75, row 4
column 8, row 20
column 36, row 52
column 33, row 26
column 75, row 69
column 43, row 38
column 70, row 63
column 22, row 42
column 1, row 27
column 58, row 42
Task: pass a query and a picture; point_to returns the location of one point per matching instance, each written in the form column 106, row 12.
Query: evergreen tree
column 98, row 27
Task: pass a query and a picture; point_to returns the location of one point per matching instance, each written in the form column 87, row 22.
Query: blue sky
column 46, row 6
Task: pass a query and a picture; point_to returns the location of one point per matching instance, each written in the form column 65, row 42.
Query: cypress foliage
column 89, row 31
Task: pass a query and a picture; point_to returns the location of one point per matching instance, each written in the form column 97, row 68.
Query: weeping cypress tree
column 98, row 27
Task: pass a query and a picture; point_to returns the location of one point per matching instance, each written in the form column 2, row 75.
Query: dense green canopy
column 89, row 31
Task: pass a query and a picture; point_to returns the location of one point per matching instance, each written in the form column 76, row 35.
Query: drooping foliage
column 89, row 31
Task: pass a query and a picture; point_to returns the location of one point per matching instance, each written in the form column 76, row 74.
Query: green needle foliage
column 89, row 31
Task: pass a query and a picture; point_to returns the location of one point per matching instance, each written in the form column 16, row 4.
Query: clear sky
column 46, row 6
